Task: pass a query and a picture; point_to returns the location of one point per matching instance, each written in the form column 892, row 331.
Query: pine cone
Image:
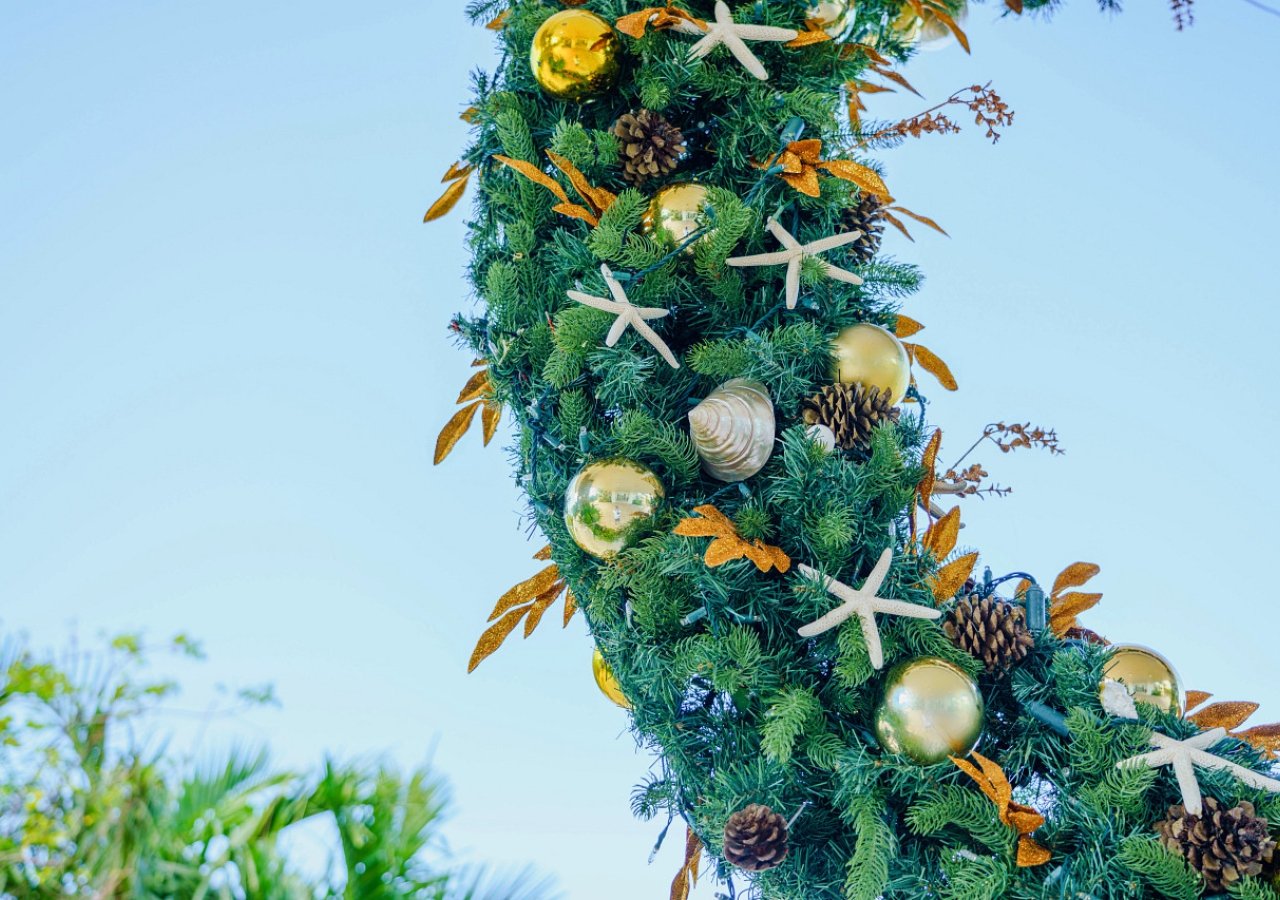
column 851, row 411
column 651, row 146
column 755, row 838
column 865, row 217
column 1224, row 845
column 990, row 629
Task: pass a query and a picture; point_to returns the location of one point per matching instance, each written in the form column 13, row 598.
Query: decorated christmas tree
column 720, row 432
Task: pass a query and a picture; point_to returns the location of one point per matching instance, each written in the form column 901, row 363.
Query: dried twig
column 1183, row 14
column 989, row 111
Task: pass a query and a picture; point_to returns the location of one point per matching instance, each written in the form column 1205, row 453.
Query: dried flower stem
column 990, row 111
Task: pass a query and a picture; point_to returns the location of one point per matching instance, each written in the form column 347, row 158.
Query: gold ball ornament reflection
column 1146, row 675
column 607, row 681
column 835, row 17
column 931, row 710
column 869, row 355
column 675, row 211
column 575, row 55
column 607, row 502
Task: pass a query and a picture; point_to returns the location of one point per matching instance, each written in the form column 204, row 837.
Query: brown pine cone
column 1224, row 845
column 865, row 217
column 755, row 838
column 651, row 146
column 851, row 411
column 990, row 629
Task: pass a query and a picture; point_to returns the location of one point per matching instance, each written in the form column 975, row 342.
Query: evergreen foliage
column 738, row 707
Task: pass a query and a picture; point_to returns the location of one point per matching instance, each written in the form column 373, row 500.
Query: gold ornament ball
column 869, row 355
column 607, row 502
column 607, row 681
column 1146, row 675
column 835, row 17
column 675, row 212
column 575, row 55
column 931, row 709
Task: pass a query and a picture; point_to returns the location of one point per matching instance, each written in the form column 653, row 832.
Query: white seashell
column 734, row 430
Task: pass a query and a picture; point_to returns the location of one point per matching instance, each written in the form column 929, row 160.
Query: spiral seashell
column 734, row 430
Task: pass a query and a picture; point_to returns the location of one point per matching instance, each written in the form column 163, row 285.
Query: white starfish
column 1184, row 756
column 865, row 604
column 796, row 253
column 734, row 36
column 635, row 316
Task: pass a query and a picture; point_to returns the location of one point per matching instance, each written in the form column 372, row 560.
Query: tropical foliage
column 93, row 803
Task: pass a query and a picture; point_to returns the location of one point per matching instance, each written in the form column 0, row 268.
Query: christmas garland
column 685, row 311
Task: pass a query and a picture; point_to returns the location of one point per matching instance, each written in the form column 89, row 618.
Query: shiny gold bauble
column 607, row 681
column 675, row 212
column 608, row 502
column 868, row 355
column 931, row 709
column 835, row 17
column 1146, row 675
column 575, row 55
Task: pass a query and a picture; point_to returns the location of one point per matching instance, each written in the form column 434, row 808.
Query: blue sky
column 223, row 362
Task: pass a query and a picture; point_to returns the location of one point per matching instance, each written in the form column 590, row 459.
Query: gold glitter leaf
column 906, row 326
column 1064, row 610
column 570, row 607
column 945, row 18
column 541, row 605
column 448, row 200
column 806, row 182
column 930, row 463
column 494, row 636
column 1227, row 715
column 576, row 211
column 1024, row 820
column 931, row 363
column 950, row 578
column 659, row 17
column 599, row 198
column 527, row 591
column 544, row 553
column 490, row 416
column 453, row 431
column 534, row 174
column 477, row 385
column 809, row 37
column 1195, row 698
column 896, row 223
column 941, row 537
column 456, row 171
column 728, row 544
column 923, row 220
column 687, row 877
column 1074, row 575
column 1263, row 737
column 863, row 177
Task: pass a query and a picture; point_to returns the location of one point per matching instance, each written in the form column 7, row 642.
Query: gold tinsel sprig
column 728, row 544
column 528, row 601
